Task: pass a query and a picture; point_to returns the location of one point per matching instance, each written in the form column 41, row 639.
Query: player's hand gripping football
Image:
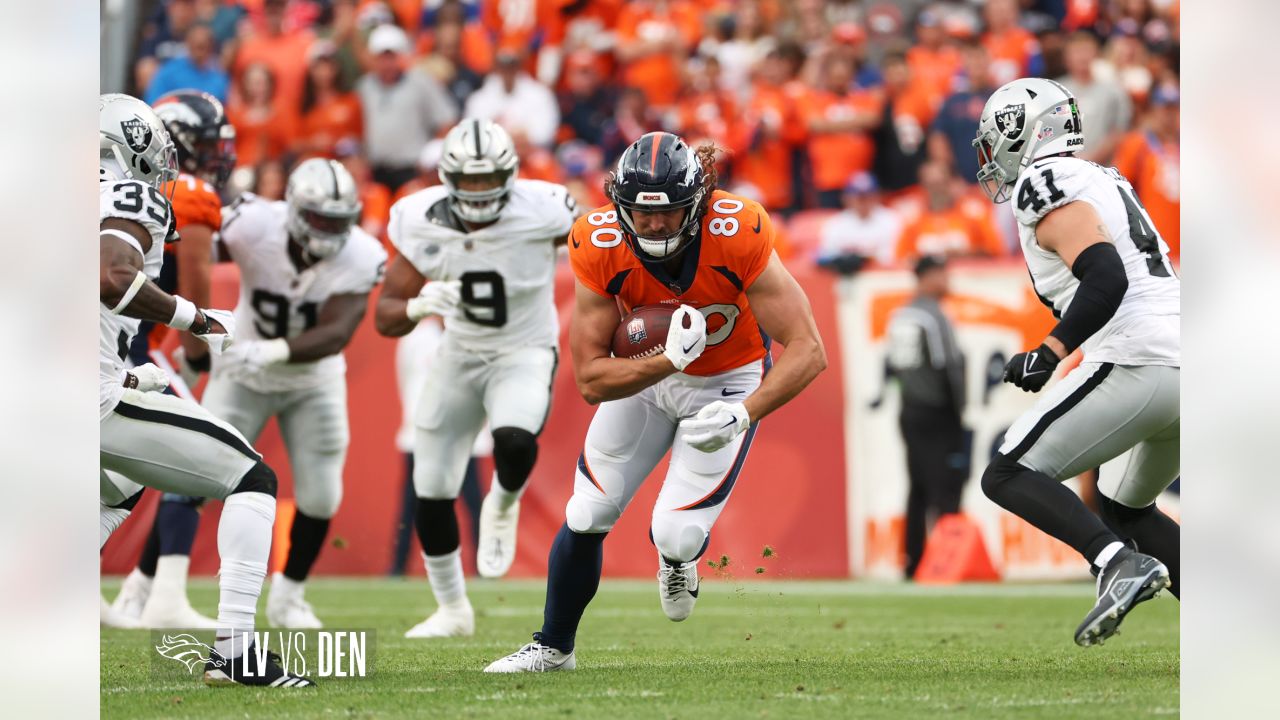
column 685, row 344
column 218, row 330
column 716, row 425
column 439, row 297
column 1031, row 370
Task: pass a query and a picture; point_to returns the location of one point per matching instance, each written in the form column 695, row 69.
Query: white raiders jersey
column 147, row 206
column 1145, row 329
column 507, row 269
column 278, row 301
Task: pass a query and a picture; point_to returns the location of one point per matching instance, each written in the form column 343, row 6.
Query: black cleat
column 247, row 670
column 1130, row 578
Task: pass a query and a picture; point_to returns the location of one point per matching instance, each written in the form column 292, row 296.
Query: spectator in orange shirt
column 653, row 38
column 1014, row 51
column 263, row 130
column 284, row 52
column 838, row 120
column 771, row 130
column 1149, row 158
column 330, row 110
column 934, row 60
column 944, row 228
column 705, row 112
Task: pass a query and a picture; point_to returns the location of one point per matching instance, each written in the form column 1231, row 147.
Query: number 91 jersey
column 1145, row 328
column 734, row 245
column 278, row 301
column 507, row 269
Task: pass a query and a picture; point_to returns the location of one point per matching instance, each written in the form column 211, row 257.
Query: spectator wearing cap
column 1015, row 52
column 330, row 111
column 198, row 69
column 517, row 102
column 1105, row 108
column 586, row 101
column 956, row 122
column 281, row 48
column 1149, row 158
column 838, row 118
column 945, row 227
column 925, row 360
column 264, row 130
column 403, row 108
column 865, row 230
column 163, row 39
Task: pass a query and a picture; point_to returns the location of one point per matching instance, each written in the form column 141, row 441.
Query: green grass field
column 753, row 649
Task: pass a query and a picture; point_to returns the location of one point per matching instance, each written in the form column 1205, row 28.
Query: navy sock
column 151, row 550
column 573, row 576
column 176, row 524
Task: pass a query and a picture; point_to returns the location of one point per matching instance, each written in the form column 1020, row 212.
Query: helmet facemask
column 479, row 206
column 995, row 182
column 321, row 233
column 665, row 246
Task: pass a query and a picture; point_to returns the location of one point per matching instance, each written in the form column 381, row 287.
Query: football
column 642, row 332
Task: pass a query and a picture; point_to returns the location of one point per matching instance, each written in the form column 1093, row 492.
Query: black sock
column 1155, row 533
column 151, row 550
column 573, row 576
column 1047, row 504
column 172, row 533
column 404, row 528
column 437, row 526
column 306, row 537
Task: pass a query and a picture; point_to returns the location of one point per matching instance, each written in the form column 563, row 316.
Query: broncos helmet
column 133, row 143
column 198, row 125
column 1023, row 121
column 658, row 172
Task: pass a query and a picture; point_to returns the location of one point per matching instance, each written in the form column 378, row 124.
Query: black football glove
column 1031, row 370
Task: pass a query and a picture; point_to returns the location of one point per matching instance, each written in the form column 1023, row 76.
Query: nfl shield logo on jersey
column 635, row 331
column 1010, row 120
column 136, row 133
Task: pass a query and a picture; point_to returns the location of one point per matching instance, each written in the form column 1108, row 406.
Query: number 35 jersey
column 736, row 239
column 507, row 269
column 1145, row 328
column 278, row 301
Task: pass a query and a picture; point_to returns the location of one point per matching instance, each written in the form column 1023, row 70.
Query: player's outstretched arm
column 601, row 377
column 402, row 283
column 126, row 290
column 784, row 314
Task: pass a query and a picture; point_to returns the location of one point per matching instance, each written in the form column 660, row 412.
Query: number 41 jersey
column 507, row 269
column 1145, row 328
column 278, row 301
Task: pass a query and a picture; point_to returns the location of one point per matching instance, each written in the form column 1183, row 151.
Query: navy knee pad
column 514, row 452
column 260, row 478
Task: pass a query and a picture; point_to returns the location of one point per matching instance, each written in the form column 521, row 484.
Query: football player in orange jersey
column 668, row 238
column 154, row 594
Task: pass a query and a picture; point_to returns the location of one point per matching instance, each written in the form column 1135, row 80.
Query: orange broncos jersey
column 736, row 243
column 195, row 202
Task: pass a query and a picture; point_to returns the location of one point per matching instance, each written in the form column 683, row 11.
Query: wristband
column 138, row 281
column 183, row 314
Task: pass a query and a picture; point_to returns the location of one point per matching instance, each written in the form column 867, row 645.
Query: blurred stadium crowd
column 849, row 119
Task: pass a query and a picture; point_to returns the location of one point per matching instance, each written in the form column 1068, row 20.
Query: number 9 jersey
column 734, row 244
column 507, row 269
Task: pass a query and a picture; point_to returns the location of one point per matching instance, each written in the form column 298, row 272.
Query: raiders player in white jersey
column 486, row 242
column 1096, row 259
column 306, row 271
column 151, row 439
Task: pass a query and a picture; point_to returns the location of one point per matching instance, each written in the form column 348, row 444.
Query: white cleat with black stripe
column 248, row 670
column 1128, row 579
column 677, row 588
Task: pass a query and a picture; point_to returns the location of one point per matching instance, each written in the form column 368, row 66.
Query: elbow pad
column 1103, row 284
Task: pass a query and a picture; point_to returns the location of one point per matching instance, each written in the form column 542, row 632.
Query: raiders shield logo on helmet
column 136, row 133
column 1011, row 120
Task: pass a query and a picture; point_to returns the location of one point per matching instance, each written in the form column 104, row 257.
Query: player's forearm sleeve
column 1103, row 284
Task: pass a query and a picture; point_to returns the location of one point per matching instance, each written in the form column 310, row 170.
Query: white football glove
column 254, row 355
column 150, row 378
column 218, row 342
column 684, row 345
column 437, row 298
column 716, row 425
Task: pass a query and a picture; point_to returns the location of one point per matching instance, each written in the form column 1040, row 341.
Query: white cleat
column 677, row 588
column 534, row 657
column 447, row 621
column 496, row 550
column 108, row 617
column 287, row 606
column 167, row 605
column 133, row 595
